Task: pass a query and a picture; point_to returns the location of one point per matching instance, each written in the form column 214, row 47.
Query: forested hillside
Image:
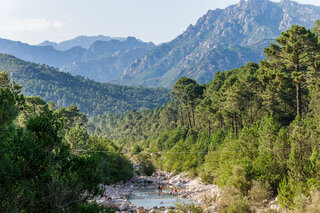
column 90, row 97
column 253, row 130
column 44, row 165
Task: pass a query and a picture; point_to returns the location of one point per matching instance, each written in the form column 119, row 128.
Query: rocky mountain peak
column 221, row 39
column 285, row 3
column 254, row 7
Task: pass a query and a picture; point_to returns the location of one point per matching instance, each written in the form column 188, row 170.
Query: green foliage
column 273, row 153
column 113, row 166
column 285, row 195
column 301, row 201
column 316, row 28
column 186, row 208
column 91, row 208
column 145, row 164
column 232, row 200
column 294, row 60
column 41, row 173
column 259, row 193
column 314, row 204
column 136, row 149
column 188, row 92
column 77, row 137
column 48, row 162
column 92, row 98
column 10, row 100
column 239, row 180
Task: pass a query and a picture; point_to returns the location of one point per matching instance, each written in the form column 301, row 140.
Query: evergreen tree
column 295, row 58
column 188, row 92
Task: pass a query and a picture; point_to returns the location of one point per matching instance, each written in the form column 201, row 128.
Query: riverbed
column 141, row 193
column 151, row 198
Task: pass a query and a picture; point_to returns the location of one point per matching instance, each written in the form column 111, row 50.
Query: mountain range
column 104, row 60
column 222, row 39
column 81, row 41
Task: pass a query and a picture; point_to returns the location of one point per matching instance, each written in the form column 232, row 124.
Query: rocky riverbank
column 194, row 190
column 191, row 189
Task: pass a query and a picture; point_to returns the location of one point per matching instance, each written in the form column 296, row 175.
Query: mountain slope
column 220, row 40
column 91, row 97
column 105, row 60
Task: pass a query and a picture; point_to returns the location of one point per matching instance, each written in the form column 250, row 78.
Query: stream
column 141, row 194
column 151, row 198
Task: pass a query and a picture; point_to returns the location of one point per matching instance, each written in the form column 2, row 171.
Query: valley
column 223, row 118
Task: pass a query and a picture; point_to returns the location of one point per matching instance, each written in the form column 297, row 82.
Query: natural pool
column 150, row 198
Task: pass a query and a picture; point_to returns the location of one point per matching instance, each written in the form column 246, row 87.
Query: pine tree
column 188, row 92
column 295, row 58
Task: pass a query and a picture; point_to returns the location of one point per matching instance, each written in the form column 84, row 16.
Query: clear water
column 150, row 198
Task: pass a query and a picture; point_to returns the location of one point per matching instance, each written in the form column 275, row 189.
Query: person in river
column 173, row 190
column 106, row 197
column 159, row 189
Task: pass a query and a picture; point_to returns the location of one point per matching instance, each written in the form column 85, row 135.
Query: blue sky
column 34, row 21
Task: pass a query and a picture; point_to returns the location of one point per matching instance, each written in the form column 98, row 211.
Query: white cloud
column 57, row 24
column 30, row 25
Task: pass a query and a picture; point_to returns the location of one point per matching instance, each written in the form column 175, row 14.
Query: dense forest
column 48, row 161
column 254, row 130
column 92, row 98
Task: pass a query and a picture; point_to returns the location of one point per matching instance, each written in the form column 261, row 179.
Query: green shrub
column 146, row 166
column 136, row 149
column 301, row 202
column 188, row 208
column 232, row 200
column 206, row 177
column 314, row 205
column 285, row 195
column 258, row 193
column 239, row 180
column 239, row 204
column 91, row 208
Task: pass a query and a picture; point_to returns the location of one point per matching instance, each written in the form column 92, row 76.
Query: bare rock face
column 220, row 40
column 140, row 210
column 124, row 206
column 109, row 204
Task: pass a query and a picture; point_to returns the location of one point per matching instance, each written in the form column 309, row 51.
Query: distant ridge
column 81, row 41
column 40, row 54
column 105, row 61
column 102, row 61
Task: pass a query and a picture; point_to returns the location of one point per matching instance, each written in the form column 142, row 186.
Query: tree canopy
column 295, row 59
